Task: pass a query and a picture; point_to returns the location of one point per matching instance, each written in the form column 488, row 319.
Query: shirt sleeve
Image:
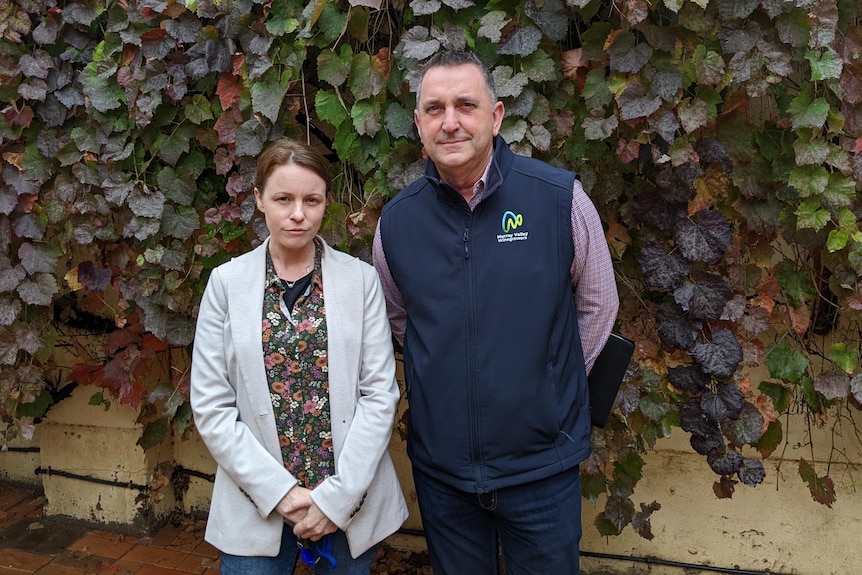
column 391, row 293
column 592, row 276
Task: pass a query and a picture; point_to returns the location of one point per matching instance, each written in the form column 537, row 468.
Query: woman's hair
column 287, row 151
column 452, row 58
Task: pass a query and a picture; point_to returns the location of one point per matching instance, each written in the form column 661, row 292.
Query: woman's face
column 293, row 202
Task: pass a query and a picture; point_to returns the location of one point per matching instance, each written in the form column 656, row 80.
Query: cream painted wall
column 775, row 526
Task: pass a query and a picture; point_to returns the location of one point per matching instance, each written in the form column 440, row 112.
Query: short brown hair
column 287, row 151
column 452, row 58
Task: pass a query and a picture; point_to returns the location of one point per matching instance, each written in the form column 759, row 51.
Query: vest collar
column 501, row 161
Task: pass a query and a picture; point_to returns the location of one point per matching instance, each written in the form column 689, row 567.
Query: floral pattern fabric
column 296, row 362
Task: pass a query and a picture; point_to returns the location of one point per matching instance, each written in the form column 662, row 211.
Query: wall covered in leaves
column 721, row 141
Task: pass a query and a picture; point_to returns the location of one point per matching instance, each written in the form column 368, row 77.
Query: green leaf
column 280, row 20
column 597, row 93
column 837, row 240
column 333, row 67
column 841, row 190
column 154, row 433
column 770, row 440
column 810, row 394
column 810, row 214
column 824, row 66
column 38, row 408
column 631, row 466
column 604, row 526
column 785, row 364
column 808, row 113
column 366, row 118
column 599, row 128
column 846, row 359
column 593, row 486
column 809, row 180
column 102, row 94
column 180, row 221
column 540, row 67
column 399, row 121
column 366, row 76
column 198, row 109
column 822, row 488
column 267, row 93
column 330, row 108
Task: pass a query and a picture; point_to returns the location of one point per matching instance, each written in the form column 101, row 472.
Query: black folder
column 607, row 375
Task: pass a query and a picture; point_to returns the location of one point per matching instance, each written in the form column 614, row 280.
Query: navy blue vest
column 493, row 365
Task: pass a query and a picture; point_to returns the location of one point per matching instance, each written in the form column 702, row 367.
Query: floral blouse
column 295, row 358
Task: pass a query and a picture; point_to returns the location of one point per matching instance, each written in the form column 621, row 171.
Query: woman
column 293, row 389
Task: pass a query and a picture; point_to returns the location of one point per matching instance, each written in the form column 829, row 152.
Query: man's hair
column 286, row 151
column 451, row 58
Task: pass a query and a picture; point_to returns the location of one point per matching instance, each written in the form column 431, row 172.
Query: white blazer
column 233, row 411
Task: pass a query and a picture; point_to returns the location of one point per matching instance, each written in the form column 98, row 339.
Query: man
column 499, row 285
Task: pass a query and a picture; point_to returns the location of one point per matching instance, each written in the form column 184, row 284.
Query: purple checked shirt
column 592, row 275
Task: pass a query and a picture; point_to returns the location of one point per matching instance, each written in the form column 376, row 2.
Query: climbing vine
column 720, row 140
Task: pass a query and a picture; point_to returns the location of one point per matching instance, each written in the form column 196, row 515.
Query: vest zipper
column 467, row 243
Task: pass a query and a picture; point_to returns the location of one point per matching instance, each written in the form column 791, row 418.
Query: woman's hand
column 314, row 525
column 294, row 506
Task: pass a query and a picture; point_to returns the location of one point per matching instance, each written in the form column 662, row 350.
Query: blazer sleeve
column 227, row 421
column 340, row 496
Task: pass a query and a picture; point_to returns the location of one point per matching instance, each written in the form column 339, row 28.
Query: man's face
column 457, row 121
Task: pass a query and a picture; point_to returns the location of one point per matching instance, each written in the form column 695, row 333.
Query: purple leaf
column 751, row 472
column 93, row 278
column 660, row 269
column 619, row 511
column 719, row 357
column 706, row 297
column 746, row 429
column 726, row 463
column 832, row 385
column 651, row 207
column 674, row 328
column 704, row 238
column 688, row 379
column 520, row 41
column 627, row 55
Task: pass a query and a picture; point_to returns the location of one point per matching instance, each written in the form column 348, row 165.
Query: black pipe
column 199, row 474
column 669, row 563
column 90, row 479
column 23, row 449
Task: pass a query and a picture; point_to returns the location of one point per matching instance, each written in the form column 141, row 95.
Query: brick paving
column 31, row 543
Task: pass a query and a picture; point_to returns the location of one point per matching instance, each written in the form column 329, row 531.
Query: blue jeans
column 537, row 526
column 285, row 562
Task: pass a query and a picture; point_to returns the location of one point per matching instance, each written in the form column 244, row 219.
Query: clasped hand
column 299, row 510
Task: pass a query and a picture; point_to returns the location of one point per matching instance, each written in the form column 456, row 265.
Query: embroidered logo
column 511, row 222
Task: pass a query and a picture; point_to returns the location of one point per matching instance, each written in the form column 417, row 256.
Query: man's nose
column 450, row 120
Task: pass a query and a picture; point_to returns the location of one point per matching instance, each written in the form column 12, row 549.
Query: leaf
column 39, row 289
column 330, row 108
column 822, row 488
column 366, row 118
column 154, row 433
column 751, row 472
column 807, row 112
column 796, row 284
column 832, row 385
column 180, row 221
column 593, row 487
column 630, row 466
column 704, row 238
column 770, row 440
column 627, row 55
column 599, row 128
column 520, row 41
column 418, row 45
column 826, row 65
column 726, row 404
column 746, row 429
column 779, row 395
column 366, row 76
column 103, row 95
column 399, row 121
column 688, row 379
column 844, row 359
column 674, row 329
column 507, row 84
column 490, row 25
column 785, row 363
column 425, row 7
column 635, row 104
column 267, row 94
column 705, row 297
column 721, row 356
column 333, row 67
column 725, row 463
column 619, row 511
column 724, row 488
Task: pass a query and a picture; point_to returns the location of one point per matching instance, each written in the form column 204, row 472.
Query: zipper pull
column 466, row 243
